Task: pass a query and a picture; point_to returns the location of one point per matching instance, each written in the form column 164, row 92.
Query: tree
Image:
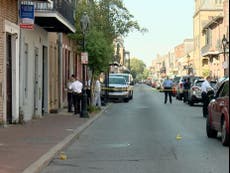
column 109, row 19
column 137, row 68
column 100, row 51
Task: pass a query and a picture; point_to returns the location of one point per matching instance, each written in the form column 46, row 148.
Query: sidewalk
column 28, row 148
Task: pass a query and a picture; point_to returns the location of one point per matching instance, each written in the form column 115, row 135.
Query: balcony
column 56, row 15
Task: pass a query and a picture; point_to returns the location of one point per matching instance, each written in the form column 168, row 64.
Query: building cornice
column 207, row 10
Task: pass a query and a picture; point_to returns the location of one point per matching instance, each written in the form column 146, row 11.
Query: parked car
column 176, row 80
column 218, row 114
column 179, row 87
column 194, row 94
column 118, row 89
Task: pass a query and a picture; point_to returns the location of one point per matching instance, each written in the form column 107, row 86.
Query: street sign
column 26, row 16
column 84, row 57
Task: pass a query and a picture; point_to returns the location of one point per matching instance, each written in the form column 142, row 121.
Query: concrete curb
column 44, row 160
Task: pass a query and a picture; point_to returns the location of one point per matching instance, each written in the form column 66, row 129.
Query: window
column 225, row 90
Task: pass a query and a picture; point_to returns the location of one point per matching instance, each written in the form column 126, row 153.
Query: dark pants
column 168, row 92
column 70, row 101
column 206, row 97
column 77, row 102
column 185, row 95
column 205, row 100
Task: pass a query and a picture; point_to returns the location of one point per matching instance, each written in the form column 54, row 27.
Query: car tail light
column 196, row 89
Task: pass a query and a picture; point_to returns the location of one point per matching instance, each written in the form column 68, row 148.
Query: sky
column 169, row 22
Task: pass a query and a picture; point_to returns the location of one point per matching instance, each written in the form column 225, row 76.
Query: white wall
column 36, row 38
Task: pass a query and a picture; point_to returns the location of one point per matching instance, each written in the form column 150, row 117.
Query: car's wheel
column 126, row 100
column 179, row 97
column 224, row 134
column 190, row 102
column 211, row 133
column 131, row 97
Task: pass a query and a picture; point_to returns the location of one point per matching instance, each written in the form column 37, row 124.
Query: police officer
column 76, row 87
column 70, row 93
column 205, row 87
column 168, row 84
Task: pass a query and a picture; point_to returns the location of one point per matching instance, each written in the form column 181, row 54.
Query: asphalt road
column 145, row 136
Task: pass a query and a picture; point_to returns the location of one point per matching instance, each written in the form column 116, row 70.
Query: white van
column 129, row 79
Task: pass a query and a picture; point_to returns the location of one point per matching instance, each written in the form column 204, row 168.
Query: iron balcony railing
column 64, row 7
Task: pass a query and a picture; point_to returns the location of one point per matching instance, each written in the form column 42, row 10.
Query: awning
column 210, row 53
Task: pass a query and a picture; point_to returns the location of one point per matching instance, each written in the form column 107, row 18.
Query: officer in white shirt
column 76, row 87
column 205, row 87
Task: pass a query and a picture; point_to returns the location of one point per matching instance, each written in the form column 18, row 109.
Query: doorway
column 44, row 80
column 9, row 111
column 36, row 84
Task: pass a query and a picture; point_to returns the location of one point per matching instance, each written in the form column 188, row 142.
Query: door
column 9, row 78
column 36, row 84
column 44, row 81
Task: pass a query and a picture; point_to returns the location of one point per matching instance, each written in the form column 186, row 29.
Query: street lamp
column 225, row 43
column 84, row 23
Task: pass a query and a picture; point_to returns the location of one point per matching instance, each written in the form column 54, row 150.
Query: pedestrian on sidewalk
column 70, row 93
column 97, row 93
column 76, row 87
column 167, row 85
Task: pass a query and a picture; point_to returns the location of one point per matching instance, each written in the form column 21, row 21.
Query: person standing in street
column 187, row 85
column 167, row 85
column 76, row 87
column 97, row 92
column 205, row 87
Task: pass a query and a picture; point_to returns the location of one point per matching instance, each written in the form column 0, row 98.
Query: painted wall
column 32, row 80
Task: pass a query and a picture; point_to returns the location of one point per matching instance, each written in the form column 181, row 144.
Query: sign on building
column 84, row 57
column 27, row 16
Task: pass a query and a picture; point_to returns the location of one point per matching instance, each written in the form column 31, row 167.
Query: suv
column 118, row 88
column 194, row 94
column 129, row 79
column 180, row 85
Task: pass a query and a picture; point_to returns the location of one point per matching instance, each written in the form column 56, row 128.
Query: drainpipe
column 60, row 104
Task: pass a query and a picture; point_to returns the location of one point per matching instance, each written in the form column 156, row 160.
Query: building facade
column 205, row 10
column 215, row 31
column 9, row 61
column 35, row 63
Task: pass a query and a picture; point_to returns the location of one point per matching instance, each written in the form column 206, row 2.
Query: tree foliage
column 137, row 68
column 109, row 19
column 99, row 50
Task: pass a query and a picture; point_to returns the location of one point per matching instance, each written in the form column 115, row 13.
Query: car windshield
column 213, row 84
column 124, row 76
column 117, row 80
column 199, row 83
column 176, row 79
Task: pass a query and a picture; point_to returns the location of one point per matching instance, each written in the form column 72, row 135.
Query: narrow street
column 141, row 137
